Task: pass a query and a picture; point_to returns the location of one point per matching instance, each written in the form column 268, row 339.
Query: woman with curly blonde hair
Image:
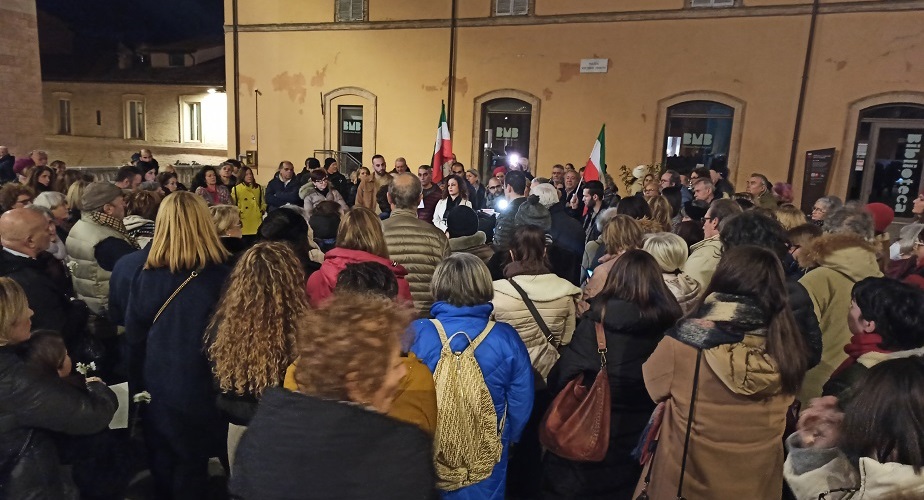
column 251, row 338
column 661, row 212
column 331, row 437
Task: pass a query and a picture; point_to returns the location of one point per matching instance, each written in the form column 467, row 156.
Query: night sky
column 136, row 21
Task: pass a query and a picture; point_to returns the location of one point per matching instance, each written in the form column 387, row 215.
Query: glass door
column 351, row 133
column 506, row 129
column 891, row 168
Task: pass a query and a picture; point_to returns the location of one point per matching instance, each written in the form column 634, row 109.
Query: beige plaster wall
column 757, row 60
column 105, row 144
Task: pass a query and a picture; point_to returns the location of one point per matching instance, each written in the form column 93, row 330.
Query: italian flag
column 596, row 165
column 442, row 150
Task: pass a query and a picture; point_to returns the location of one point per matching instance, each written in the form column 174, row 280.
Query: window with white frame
column 134, row 119
column 193, row 116
column 64, row 116
column 511, row 7
column 350, row 10
column 712, row 3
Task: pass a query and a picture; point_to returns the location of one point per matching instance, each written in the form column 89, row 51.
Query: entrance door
column 887, row 159
column 892, row 165
column 351, row 133
column 506, row 132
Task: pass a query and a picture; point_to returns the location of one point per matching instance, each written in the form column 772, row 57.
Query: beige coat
column 704, row 257
column 685, row 289
column 736, row 447
column 811, row 472
column 555, row 299
column 419, row 247
column 843, row 259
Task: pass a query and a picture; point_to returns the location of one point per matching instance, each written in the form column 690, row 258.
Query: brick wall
column 20, row 77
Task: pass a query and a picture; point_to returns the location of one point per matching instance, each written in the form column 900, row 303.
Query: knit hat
column 99, row 193
column 461, row 221
column 882, row 216
column 532, row 213
column 695, row 211
column 21, row 164
column 499, row 170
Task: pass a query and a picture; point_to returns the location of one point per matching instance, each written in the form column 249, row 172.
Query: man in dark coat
column 283, row 189
column 24, row 259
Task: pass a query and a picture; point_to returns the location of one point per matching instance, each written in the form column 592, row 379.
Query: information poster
column 815, row 182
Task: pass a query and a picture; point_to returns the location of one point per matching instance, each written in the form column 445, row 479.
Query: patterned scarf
column 722, row 319
column 113, row 223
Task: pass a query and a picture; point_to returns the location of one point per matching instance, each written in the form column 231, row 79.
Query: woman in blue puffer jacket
column 462, row 289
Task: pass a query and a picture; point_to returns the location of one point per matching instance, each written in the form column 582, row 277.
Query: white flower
column 142, row 397
column 85, row 368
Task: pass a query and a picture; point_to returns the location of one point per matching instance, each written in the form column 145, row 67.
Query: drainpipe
column 237, row 81
column 452, row 64
column 799, row 110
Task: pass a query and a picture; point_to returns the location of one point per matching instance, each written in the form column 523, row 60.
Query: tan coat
column 842, row 260
column 419, row 247
column 684, row 288
column 736, row 447
column 555, row 299
column 704, row 257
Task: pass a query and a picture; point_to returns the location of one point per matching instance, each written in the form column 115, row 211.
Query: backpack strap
column 444, row 340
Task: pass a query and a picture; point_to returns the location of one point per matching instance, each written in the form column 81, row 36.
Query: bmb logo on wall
column 507, row 133
column 350, row 126
column 697, row 139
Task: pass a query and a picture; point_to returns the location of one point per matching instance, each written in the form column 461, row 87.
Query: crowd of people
column 382, row 335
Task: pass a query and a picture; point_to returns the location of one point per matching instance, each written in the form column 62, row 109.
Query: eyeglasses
column 816, row 209
column 322, row 181
column 24, row 201
column 492, row 188
column 709, row 218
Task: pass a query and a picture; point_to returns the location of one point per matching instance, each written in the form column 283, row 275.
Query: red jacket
column 322, row 282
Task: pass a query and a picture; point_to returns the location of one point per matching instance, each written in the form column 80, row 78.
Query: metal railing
column 348, row 162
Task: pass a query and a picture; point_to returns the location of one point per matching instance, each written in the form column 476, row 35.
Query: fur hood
column 841, row 251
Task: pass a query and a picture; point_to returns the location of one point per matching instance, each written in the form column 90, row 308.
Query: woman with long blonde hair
column 252, row 335
column 175, row 286
column 359, row 239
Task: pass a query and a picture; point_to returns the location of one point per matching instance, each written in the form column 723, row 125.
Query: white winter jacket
column 555, row 298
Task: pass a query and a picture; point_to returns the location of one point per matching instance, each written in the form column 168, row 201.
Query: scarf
column 860, row 344
column 722, row 319
column 452, row 203
column 113, row 223
column 516, row 268
column 323, row 192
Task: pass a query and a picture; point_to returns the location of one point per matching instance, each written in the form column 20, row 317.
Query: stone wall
column 20, row 77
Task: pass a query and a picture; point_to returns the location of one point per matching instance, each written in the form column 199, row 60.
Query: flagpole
column 578, row 188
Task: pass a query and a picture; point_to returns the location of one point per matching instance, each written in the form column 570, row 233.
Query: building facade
column 677, row 82
column 169, row 99
column 20, row 77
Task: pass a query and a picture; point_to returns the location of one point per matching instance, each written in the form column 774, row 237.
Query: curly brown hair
column 349, row 347
column 251, row 337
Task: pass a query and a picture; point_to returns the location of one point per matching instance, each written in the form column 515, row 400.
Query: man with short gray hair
column 417, row 245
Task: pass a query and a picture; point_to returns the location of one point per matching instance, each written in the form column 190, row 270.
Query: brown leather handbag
column 577, row 424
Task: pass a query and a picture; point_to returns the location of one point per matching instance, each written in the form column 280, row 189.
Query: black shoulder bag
column 686, row 440
column 535, row 312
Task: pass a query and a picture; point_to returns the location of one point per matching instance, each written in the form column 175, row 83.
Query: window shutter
column 350, row 10
column 712, row 3
column 511, row 8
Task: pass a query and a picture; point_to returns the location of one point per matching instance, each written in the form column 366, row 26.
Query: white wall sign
column 594, row 65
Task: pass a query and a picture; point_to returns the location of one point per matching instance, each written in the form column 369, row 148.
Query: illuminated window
column 698, row 133
column 134, row 119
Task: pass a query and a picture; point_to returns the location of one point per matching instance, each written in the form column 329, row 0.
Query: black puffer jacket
column 804, row 312
column 299, row 446
column 31, row 406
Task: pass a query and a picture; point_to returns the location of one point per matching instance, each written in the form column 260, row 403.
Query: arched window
column 697, row 133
